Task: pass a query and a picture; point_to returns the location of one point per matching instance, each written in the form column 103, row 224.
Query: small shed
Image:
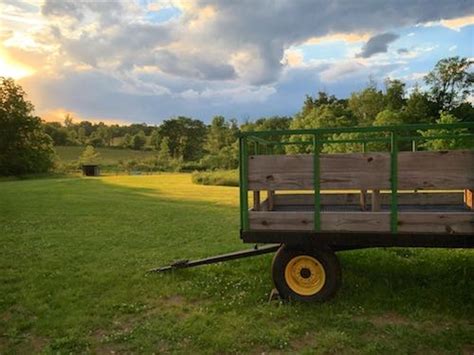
column 90, row 170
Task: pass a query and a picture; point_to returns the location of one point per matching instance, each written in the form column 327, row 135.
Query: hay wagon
column 387, row 190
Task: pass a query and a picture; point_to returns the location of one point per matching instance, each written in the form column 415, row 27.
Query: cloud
column 252, row 37
column 114, row 58
column 377, row 44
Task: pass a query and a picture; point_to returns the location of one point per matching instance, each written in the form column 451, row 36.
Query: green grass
column 108, row 156
column 72, row 273
column 217, row 178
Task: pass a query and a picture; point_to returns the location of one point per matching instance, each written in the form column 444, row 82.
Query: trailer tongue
column 184, row 264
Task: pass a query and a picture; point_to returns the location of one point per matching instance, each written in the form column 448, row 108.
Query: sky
column 146, row 61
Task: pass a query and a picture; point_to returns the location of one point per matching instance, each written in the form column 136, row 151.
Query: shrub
column 219, row 178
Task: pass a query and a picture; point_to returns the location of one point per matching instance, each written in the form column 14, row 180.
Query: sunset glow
column 13, row 70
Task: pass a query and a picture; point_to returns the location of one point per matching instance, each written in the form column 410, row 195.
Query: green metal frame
column 393, row 135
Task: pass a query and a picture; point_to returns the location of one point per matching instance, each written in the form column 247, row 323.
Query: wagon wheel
column 306, row 275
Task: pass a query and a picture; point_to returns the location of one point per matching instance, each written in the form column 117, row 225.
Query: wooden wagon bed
column 368, row 209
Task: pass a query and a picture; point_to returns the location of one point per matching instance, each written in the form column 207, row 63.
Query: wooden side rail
column 363, row 171
column 410, row 222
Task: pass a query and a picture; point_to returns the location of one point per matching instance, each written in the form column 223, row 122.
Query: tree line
column 182, row 140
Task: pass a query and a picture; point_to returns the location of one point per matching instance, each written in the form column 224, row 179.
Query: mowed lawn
column 74, row 252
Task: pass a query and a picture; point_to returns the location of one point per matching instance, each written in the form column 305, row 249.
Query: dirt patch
column 306, row 341
column 38, row 343
column 390, row 318
column 175, row 300
column 468, row 349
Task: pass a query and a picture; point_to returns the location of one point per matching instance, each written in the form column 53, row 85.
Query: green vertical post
column 244, row 185
column 364, row 147
column 394, row 182
column 317, row 184
column 240, row 183
column 413, row 145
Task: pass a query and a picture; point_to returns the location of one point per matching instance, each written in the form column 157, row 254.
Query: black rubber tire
column 326, row 258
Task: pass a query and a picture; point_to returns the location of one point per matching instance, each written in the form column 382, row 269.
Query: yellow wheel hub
column 305, row 275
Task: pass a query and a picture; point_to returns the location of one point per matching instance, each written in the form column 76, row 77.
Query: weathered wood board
column 330, row 221
column 416, row 170
column 413, row 222
column 338, row 171
column 436, row 222
column 341, row 199
column 452, row 169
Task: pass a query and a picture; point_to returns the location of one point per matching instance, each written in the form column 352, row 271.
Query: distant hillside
column 108, row 156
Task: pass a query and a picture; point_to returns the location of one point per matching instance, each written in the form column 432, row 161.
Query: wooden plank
column 355, row 221
column 355, row 171
column 436, row 170
column 376, row 203
column 405, row 198
column 330, row 221
column 308, row 199
column 338, row 171
column 425, row 198
column 288, row 221
column 270, row 199
column 413, row 222
column 469, row 198
column 416, row 170
column 436, row 222
column 256, row 200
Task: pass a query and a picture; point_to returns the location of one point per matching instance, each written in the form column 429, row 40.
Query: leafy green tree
column 127, row 141
column 104, row 133
column 24, row 145
column 186, row 137
column 57, row 132
column 221, row 144
column 96, row 140
column 226, row 158
column 366, row 104
column 155, row 139
column 465, row 112
column 388, row 118
column 395, row 94
column 164, row 152
column 89, row 156
column 68, row 121
column 81, row 135
column 220, row 135
column 332, row 115
column 451, row 82
column 447, row 143
column 138, row 140
column 419, row 109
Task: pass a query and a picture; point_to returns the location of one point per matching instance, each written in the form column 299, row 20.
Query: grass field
column 72, row 271
column 108, row 156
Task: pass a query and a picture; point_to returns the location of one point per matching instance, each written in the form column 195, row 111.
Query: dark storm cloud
column 192, row 66
column 377, row 44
